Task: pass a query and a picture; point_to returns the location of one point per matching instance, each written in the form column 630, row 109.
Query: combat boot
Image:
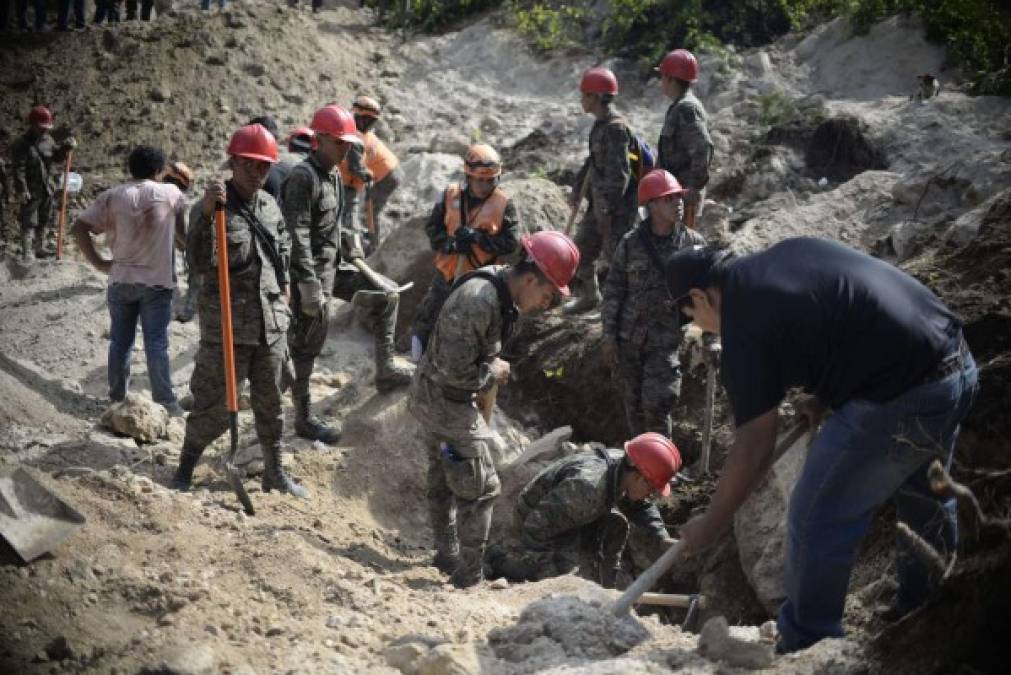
column 27, row 255
column 310, row 427
column 470, row 571
column 183, row 478
column 447, row 551
column 274, row 477
column 389, row 374
column 589, row 296
column 187, row 307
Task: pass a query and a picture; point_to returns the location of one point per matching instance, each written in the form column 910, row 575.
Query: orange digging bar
column 225, row 291
column 63, row 206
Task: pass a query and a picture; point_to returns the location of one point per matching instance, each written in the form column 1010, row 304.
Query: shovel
column 63, row 206
column 233, row 472
column 33, row 520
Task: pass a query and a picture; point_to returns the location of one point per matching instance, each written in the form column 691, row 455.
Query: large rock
column 760, row 527
column 450, row 659
column 717, row 644
column 138, row 417
column 184, row 659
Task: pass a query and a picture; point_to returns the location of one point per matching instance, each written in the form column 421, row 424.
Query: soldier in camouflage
column 312, row 201
column 640, row 340
column 258, row 251
column 32, row 155
column 611, row 188
column 585, row 503
column 685, row 148
column 462, row 360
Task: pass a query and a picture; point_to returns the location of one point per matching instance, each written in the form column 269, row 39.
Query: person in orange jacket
column 371, row 167
column 472, row 225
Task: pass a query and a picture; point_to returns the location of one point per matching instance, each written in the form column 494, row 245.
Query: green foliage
column 775, row 108
column 427, row 15
column 976, row 32
column 547, row 27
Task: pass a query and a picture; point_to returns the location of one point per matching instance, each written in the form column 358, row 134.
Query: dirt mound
column 557, row 629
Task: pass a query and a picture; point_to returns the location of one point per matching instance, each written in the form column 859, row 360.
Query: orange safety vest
column 377, row 158
column 487, row 217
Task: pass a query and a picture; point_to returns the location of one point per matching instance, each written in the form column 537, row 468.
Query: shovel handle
column 647, row 579
column 671, row 600
column 707, row 425
column 225, row 293
column 575, row 207
column 62, row 223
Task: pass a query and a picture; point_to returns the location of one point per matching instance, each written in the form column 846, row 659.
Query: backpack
column 641, row 156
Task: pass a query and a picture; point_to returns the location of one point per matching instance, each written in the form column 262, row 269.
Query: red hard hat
column 255, row 142
column 658, row 183
column 656, row 458
column 681, row 64
column 555, row 254
column 302, row 139
column 598, row 81
column 41, row 117
column 335, row 121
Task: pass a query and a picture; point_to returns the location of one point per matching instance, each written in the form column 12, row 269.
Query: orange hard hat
column 555, row 254
column 656, row 458
column 255, row 142
column 680, row 64
column 366, row 106
column 40, row 117
column 181, row 174
column 481, row 161
column 333, row 120
column 658, row 183
column 599, row 81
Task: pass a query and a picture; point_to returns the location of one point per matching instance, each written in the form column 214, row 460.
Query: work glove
column 70, row 143
column 464, row 238
column 311, row 297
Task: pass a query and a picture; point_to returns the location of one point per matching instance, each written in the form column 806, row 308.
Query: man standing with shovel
column 461, row 362
column 257, row 274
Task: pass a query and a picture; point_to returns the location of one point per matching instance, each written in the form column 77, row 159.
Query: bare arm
column 748, row 461
column 82, row 235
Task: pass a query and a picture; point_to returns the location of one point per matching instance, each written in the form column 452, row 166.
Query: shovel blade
column 235, row 475
column 33, row 520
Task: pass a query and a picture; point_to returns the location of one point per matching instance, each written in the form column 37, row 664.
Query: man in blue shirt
column 868, row 343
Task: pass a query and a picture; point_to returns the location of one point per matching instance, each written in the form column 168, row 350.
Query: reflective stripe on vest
column 378, row 159
column 487, row 218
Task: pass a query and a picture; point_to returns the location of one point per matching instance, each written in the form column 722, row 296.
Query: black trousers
column 40, row 14
column 145, row 9
column 63, row 18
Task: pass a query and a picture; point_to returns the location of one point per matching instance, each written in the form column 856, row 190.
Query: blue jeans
column 865, row 454
column 206, row 4
column 153, row 306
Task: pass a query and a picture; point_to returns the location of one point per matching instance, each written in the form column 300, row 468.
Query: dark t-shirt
column 816, row 314
column 278, row 172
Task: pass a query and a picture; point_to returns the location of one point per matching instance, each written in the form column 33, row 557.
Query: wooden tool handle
column 225, row 293
column 62, row 223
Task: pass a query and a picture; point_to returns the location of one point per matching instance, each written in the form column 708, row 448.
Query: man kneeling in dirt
column 460, row 365
column 879, row 350
column 584, row 503
column 257, row 262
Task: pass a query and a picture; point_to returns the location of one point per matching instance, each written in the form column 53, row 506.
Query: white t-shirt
column 138, row 220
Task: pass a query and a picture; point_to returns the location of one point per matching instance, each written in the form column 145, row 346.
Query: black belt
column 949, row 365
column 457, row 395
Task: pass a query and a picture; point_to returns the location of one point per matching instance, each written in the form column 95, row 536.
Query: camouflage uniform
column 502, row 244
column 637, row 318
column 312, row 204
column 260, row 319
column 462, row 481
column 573, row 506
column 685, row 148
column 612, row 192
column 32, row 155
